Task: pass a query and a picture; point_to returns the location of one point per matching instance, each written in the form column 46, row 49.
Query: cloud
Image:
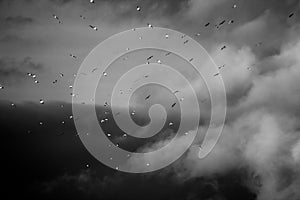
column 18, row 20
column 15, row 22
column 279, row 85
column 261, row 134
column 296, row 152
column 114, row 10
column 202, row 7
column 61, row 177
column 12, row 70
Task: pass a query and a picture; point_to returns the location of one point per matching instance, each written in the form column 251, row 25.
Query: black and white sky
column 43, row 43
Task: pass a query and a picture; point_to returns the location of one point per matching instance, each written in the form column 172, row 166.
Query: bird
column 94, row 27
column 220, row 67
column 231, row 21
column 149, row 25
column 222, row 22
column 55, row 17
column 149, row 57
column 73, row 56
column 96, row 68
column 291, row 15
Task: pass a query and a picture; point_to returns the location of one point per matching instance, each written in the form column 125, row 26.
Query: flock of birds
column 148, row 59
column 138, row 8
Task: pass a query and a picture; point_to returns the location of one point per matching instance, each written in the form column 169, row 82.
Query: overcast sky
column 33, row 41
column 258, row 155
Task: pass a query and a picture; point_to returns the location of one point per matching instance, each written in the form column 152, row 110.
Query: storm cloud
column 258, row 154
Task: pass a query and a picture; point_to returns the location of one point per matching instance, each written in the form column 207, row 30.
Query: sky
column 43, row 44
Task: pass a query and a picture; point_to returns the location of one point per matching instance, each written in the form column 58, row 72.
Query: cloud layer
column 259, row 151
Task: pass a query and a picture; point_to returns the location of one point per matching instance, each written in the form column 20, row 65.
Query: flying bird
column 147, row 97
column 231, row 21
column 55, row 17
column 149, row 57
column 220, row 67
column 222, row 22
column 149, row 25
column 73, row 56
column 94, row 27
column 96, row 68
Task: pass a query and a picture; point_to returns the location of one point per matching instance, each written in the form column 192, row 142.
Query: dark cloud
column 60, row 2
column 258, row 154
column 86, row 185
column 18, row 40
column 13, row 70
column 42, row 163
column 123, row 9
column 150, row 8
column 14, row 22
column 18, row 20
column 147, row 6
column 10, row 39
